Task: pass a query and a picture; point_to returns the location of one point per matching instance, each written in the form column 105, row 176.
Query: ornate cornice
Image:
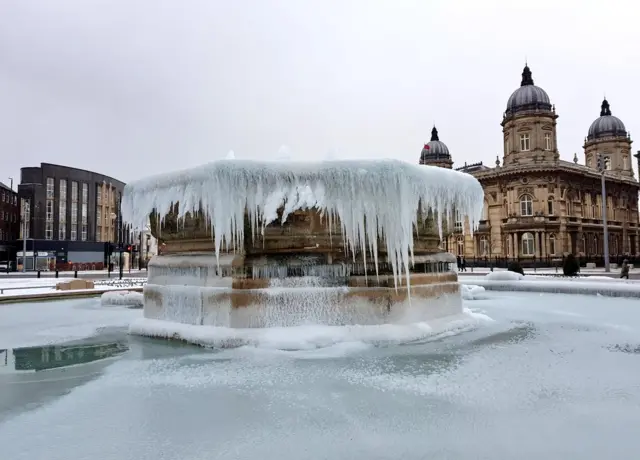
column 551, row 168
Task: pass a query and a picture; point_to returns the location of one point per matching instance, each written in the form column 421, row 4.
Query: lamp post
column 605, row 228
column 119, row 227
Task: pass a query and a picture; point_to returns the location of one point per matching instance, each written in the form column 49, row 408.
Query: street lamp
column 601, row 168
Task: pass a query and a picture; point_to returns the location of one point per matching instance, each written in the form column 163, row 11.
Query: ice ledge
column 606, row 288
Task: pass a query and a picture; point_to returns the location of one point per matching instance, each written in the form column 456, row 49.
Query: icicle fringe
column 375, row 200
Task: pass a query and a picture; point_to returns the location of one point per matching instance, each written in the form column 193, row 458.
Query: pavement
column 86, row 274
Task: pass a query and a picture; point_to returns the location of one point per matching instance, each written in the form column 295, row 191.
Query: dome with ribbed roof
column 606, row 125
column 435, row 149
column 528, row 97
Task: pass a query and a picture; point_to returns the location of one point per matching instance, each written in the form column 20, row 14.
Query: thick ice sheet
column 374, row 199
column 596, row 285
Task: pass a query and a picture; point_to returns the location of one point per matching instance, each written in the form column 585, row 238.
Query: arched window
column 460, row 245
column 526, row 205
column 528, row 244
column 607, row 163
column 552, row 245
column 550, row 206
column 484, row 246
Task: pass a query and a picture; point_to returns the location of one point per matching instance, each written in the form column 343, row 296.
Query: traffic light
column 128, row 248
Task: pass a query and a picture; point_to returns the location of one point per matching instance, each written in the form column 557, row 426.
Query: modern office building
column 71, row 216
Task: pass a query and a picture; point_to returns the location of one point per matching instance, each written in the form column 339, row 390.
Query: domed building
column 608, row 136
column 436, row 152
column 539, row 208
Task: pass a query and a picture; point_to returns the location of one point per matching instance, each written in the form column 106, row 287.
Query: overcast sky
column 134, row 87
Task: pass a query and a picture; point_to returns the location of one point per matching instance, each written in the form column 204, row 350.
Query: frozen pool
column 552, row 376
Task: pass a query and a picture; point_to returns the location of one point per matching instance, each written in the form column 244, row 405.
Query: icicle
column 374, row 200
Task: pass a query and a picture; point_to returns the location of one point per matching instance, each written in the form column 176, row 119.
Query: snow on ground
column 23, row 286
column 122, row 298
column 41, row 323
column 592, row 285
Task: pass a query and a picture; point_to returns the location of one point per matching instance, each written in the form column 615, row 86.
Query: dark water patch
column 625, row 348
column 517, row 334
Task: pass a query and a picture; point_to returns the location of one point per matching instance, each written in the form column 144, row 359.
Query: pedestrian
column 624, row 271
column 459, row 263
column 463, row 264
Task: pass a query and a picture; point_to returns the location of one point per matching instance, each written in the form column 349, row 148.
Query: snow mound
column 376, row 201
column 124, row 298
column 504, row 276
column 472, row 292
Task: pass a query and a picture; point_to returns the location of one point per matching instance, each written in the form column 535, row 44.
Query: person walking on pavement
column 624, row 271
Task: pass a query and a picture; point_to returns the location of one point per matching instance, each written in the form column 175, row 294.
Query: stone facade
column 539, row 206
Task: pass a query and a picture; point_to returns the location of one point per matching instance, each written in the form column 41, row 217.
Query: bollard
column 492, row 268
column 57, row 274
column 38, row 273
column 75, row 274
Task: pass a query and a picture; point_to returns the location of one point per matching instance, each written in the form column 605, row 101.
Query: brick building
column 9, row 222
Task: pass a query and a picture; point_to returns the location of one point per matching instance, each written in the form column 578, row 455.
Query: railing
column 546, row 262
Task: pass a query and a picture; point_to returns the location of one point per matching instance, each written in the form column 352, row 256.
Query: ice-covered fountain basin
column 194, row 294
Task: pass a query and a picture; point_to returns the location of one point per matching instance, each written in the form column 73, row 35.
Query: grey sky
column 135, row 87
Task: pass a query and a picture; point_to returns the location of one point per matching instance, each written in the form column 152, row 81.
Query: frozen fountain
column 249, row 244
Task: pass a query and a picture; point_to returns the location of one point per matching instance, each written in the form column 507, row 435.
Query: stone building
column 539, row 206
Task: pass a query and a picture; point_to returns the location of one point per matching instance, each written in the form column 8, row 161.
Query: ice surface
column 472, row 292
column 504, row 276
column 375, row 200
column 509, row 281
column 126, row 298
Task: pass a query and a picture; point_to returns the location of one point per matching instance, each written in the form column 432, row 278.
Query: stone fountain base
column 188, row 289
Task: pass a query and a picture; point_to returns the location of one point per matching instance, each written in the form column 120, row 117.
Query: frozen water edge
column 308, row 336
column 612, row 288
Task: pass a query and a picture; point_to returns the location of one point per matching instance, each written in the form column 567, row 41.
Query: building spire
column 604, row 108
column 526, row 77
column 434, row 134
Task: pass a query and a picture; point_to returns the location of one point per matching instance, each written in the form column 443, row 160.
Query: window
column 99, row 195
column 74, row 191
column 84, row 213
column 525, row 142
column 550, row 206
column 62, row 219
column 74, row 213
column 50, row 187
column 458, row 221
column 99, row 216
column 48, row 231
column 526, row 205
column 484, row 246
column 607, row 163
column 552, row 245
column 528, row 246
column 63, row 190
column 84, row 232
column 547, row 141
column 49, row 216
column 85, row 193
column 26, row 217
column 74, row 232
